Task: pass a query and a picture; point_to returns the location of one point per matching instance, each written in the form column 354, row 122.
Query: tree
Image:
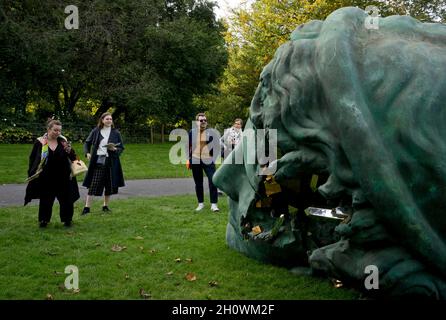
column 142, row 58
column 255, row 33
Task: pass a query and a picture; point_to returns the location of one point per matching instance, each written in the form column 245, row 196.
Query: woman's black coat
column 34, row 187
column 93, row 140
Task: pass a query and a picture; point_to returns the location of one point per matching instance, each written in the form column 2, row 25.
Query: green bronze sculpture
column 363, row 111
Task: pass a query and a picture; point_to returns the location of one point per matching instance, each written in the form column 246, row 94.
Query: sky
column 226, row 5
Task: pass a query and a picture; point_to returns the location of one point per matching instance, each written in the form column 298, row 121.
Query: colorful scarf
column 43, row 157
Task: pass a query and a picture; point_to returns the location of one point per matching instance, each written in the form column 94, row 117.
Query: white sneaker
column 214, row 207
column 200, row 207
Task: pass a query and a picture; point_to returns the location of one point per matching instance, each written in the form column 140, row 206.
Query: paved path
column 13, row 194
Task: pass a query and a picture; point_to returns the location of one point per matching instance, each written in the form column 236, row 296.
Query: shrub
column 15, row 135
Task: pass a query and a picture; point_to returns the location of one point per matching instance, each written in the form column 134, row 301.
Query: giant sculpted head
column 367, row 109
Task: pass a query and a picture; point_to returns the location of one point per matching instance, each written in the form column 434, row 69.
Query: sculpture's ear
column 295, row 80
column 309, row 30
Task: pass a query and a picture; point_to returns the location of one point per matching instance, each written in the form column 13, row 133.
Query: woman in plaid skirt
column 103, row 147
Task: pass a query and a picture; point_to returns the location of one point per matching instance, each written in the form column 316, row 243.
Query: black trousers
column 197, row 172
column 47, row 198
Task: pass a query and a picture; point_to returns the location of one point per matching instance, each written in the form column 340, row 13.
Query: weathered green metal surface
column 366, row 108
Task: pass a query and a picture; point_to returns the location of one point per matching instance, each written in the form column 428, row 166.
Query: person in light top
column 232, row 136
column 103, row 148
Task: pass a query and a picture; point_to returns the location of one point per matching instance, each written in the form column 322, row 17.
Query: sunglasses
column 203, row 120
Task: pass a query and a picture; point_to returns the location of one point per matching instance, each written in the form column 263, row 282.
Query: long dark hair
column 100, row 124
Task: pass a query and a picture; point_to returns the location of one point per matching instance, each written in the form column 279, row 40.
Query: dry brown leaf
column 49, row 297
column 337, row 283
column 118, row 248
column 191, row 276
column 144, row 294
column 256, row 230
column 213, row 283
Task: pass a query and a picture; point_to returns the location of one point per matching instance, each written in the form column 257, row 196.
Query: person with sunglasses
column 202, row 144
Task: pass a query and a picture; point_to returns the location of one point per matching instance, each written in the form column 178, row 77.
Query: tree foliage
column 255, row 33
column 143, row 58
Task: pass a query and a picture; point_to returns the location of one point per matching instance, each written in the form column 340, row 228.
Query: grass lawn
column 162, row 240
column 139, row 161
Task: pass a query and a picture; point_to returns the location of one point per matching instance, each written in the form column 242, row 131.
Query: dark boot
column 85, row 211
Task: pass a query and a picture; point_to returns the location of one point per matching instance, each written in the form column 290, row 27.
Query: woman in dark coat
column 49, row 175
column 104, row 171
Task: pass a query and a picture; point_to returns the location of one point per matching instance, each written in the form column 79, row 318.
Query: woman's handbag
column 78, row 167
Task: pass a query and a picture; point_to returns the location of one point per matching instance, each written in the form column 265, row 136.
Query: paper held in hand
column 111, row 145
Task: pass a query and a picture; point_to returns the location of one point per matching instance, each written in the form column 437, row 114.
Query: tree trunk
column 57, row 106
column 105, row 105
column 20, row 110
column 162, row 133
column 71, row 99
column 151, row 134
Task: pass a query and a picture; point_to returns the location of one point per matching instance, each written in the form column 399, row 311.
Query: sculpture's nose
column 256, row 108
column 229, row 177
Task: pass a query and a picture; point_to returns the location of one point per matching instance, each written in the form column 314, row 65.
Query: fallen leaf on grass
column 337, row 283
column 191, row 276
column 170, row 273
column 141, row 248
column 76, row 291
column 256, row 230
column 51, row 253
column 117, row 248
column 144, row 294
column 49, row 297
column 213, row 283
column 178, row 260
column 152, row 251
column 127, row 277
column 139, row 238
column 189, row 260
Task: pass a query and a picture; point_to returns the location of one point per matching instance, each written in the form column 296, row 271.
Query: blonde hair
column 51, row 123
column 238, row 120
